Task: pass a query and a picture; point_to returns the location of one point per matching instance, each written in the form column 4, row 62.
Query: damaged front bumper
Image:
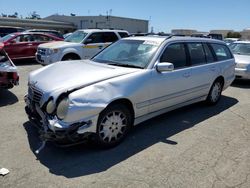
column 53, row 130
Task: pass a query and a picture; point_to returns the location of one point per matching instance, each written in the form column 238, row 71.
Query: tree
column 34, row 15
column 233, row 35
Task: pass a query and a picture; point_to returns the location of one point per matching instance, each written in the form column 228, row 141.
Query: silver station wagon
column 127, row 83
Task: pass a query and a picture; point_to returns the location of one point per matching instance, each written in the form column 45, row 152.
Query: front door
column 172, row 87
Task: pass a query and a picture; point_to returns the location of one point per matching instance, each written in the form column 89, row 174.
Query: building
column 64, row 27
column 223, row 32
column 186, row 32
column 103, row 22
column 245, row 34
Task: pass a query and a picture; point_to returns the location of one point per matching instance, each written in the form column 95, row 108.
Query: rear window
column 221, row 51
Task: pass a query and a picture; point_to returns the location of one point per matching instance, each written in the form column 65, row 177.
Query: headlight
column 52, row 51
column 62, row 108
column 50, row 108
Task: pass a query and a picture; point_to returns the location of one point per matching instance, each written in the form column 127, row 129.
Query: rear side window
column 41, row 38
column 123, row 34
column 175, row 53
column 197, row 54
column 103, row 37
column 221, row 51
column 109, row 37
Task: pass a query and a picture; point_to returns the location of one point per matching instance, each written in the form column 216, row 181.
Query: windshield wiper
column 125, row 65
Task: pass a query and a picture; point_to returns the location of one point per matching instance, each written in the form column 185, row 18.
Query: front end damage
column 52, row 129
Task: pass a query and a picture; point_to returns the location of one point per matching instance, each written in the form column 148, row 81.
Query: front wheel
column 215, row 92
column 113, row 125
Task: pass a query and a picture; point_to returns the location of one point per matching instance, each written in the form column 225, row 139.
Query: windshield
column 76, row 37
column 129, row 53
column 241, row 48
column 7, row 37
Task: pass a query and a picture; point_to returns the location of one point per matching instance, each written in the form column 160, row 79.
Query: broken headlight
column 50, row 108
column 62, row 108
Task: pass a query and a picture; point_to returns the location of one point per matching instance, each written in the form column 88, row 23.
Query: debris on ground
column 4, row 171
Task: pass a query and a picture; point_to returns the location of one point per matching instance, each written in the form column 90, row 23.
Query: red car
column 8, row 71
column 24, row 45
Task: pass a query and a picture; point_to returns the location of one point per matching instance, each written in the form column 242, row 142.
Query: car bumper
column 53, row 131
column 242, row 73
column 47, row 59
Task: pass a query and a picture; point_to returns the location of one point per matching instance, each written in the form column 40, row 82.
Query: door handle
column 100, row 47
column 30, row 44
column 186, row 74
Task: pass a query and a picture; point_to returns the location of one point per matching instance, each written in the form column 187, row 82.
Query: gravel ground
column 195, row 146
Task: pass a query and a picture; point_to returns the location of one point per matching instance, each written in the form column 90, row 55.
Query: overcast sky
column 163, row 15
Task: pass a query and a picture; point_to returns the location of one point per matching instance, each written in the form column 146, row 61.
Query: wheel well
column 220, row 79
column 127, row 103
column 73, row 55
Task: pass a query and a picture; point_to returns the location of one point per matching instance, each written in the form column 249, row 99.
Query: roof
column 160, row 39
column 98, row 30
column 243, row 42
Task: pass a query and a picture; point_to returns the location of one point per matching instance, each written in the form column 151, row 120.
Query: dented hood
column 69, row 75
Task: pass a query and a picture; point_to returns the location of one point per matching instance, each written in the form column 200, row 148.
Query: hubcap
column 216, row 92
column 113, row 126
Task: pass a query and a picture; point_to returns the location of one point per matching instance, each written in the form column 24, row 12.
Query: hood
column 59, row 44
column 242, row 59
column 69, row 75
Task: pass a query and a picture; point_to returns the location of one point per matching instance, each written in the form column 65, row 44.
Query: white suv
column 82, row 44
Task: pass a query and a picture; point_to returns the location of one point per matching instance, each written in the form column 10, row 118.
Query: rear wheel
column 113, row 125
column 215, row 92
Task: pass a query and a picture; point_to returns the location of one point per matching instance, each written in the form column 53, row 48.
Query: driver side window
column 175, row 53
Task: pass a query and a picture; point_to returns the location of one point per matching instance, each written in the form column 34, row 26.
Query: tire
column 113, row 125
column 215, row 92
column 70, row 57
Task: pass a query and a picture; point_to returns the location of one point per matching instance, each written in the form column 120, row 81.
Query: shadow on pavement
column 85, row 160
column 7, row 97
column 25, row 62
column 241, row 84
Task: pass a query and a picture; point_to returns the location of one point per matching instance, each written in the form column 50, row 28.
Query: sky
column 163, row 15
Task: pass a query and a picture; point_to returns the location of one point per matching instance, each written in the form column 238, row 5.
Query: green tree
column 233, row 35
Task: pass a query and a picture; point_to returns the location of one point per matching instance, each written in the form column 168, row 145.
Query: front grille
column 41, row 51
column 34, row 94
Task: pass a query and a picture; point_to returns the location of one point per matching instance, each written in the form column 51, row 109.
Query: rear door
column 203, row 70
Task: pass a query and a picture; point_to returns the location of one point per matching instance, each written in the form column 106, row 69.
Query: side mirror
column 87, row 41
column 164, row 67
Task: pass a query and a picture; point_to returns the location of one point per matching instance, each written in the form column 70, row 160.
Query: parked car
column 24, row 45
column 5, row 30
column 130, row 81
column 8, row 71
column 241, row 51
column 229, row 41
column 82, row 44
column 46, row 31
